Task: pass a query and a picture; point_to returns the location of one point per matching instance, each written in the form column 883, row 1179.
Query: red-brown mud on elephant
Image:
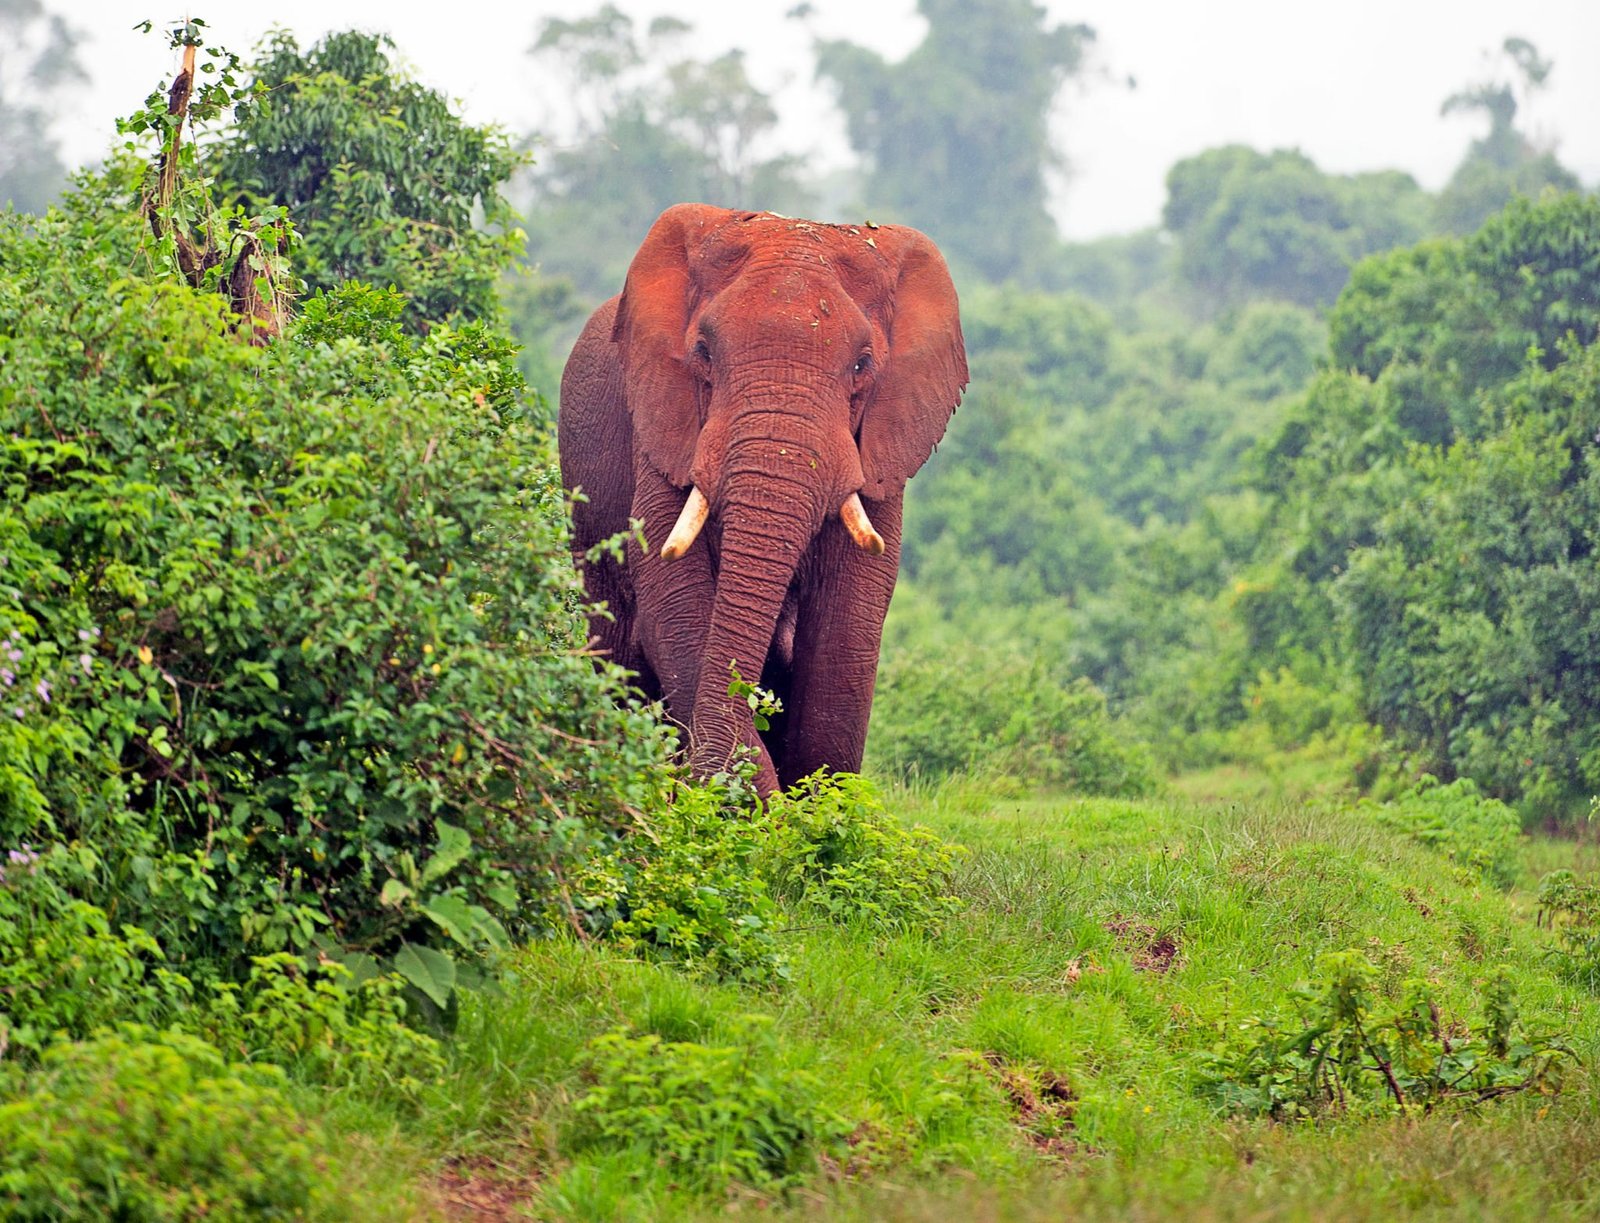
column 1151, row 950
column 478, row 1189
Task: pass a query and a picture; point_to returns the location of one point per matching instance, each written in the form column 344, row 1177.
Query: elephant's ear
column 926, row 370
column 652, row 317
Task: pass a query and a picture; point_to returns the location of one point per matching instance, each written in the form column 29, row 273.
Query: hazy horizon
column 1356, row 93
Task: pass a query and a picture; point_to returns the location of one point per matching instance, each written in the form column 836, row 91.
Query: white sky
column 1355, row 84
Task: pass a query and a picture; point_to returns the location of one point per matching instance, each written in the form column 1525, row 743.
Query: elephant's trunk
column 772, row 502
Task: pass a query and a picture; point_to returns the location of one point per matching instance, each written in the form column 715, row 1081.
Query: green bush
column 712, row 1113
column 1474, row 831
column 289, row 632
column 318, row 1023
column 64, row 966
column 1571, row 908
column 686, row 886
column 831, row 847
column 705, row 879
column 1343, row 1050
column 144, row 1125
column 999, row 712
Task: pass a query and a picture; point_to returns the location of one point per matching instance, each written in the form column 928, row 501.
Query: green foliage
column 715, row 1113
column 957, row 133
column 685, row 886
column 384, row 181
column 64, row 966
column 655, row 126
column 1431, row 499
column 319, row 1024
column 1570, row 906
column 832, row 849
column 706, row 879
column 157, row 1126
column 1347, row 1049
column 289, row 630
column 999, row 712
column 1251, row 225
column 1477, row 833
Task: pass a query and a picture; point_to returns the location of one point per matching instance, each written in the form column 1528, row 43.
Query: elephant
column 757, row 397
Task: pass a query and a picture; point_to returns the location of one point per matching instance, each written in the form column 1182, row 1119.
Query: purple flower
column 43, row 689
column 7, row 676
column 84, row 634
column 86, row 662
column 14, row 655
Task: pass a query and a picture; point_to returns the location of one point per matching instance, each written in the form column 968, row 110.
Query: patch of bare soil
column 480, row 1190
column 1150, row 950
column 1042, row 1105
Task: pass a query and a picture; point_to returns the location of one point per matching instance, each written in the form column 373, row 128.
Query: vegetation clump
column 710, row 881
column 1344, row 1049
column 715, row 1113
column 158, row 1126
column 1570, row 906
column 1478, row 833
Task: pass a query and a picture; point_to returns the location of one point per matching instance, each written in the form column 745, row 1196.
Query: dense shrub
column 997, row 711
column 1345, row 1048
column 289, row 631
column 832, row 848
column 1476, row 832
column 705, row 880
column 151, row 1126
column 714, row 1113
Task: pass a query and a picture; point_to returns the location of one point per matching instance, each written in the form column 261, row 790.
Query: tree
column 655, row 126
column 383, row 180
column 1271, row 225
column 38, row 70
column 1505, row 162
column 1435, row 501
column 956, row 137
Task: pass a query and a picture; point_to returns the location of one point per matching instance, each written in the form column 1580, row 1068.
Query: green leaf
column 431, row 971
column 469, row 925
column 394, row 894
column 454, row 845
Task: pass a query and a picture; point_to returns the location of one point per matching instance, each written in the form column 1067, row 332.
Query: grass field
column 1037, row 1057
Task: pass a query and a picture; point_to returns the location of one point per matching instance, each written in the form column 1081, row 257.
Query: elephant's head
column 785, row 373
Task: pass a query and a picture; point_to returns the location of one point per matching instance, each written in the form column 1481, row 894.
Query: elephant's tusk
column 688, row 526
column 854, row 516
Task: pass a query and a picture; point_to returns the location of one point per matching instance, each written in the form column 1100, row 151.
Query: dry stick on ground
column 241, row 281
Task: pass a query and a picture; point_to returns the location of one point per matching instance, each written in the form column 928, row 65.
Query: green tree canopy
column 385, row 182
column 956, row 136
column 1271, row 225
column 1504, row 162
column 655, row 126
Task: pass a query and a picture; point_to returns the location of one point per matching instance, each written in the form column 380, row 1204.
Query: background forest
column 1246, row 476
column 1246, row 631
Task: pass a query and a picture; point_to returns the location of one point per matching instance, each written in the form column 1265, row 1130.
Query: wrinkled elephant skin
column 757, row 396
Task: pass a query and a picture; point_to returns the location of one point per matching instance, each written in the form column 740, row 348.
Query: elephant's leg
column 672, row 599
column 844, row 599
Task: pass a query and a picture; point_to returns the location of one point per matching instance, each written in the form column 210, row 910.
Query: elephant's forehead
column 806, row 255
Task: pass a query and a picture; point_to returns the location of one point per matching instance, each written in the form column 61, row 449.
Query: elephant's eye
column 702, row 351
column 862, row 365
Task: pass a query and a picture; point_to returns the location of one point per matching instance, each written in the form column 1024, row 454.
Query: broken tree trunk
column 246, row 274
